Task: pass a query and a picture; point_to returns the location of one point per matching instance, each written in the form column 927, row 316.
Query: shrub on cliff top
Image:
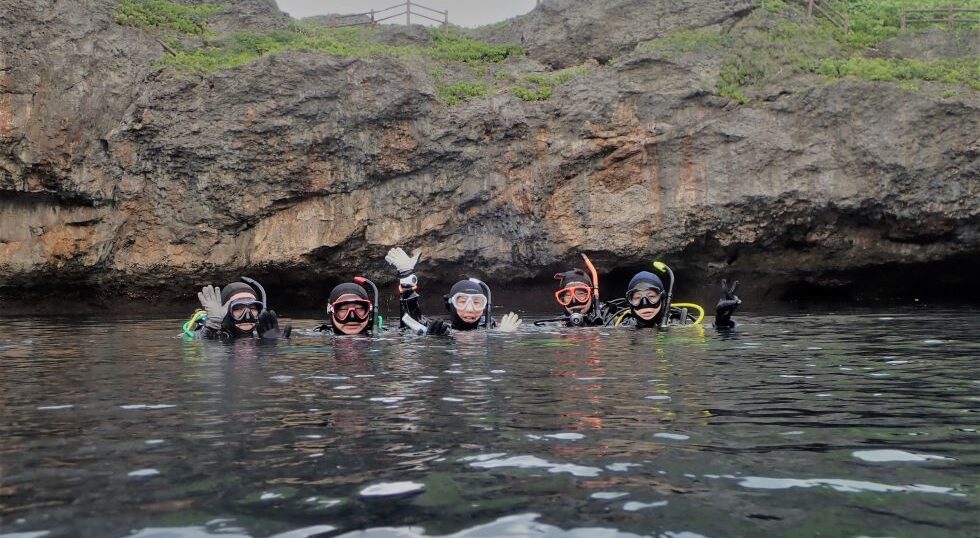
column 873, row 21
column 166, row 15
column 951, row 71
column 243, row 47
column 458, row 92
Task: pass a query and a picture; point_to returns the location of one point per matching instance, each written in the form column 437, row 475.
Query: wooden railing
column 377, row 16
column 839, row 19
column 916, row 16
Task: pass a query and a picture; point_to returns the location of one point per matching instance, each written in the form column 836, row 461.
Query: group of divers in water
column 240, row 309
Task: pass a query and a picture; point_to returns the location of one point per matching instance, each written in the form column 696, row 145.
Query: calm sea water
column 796, row 425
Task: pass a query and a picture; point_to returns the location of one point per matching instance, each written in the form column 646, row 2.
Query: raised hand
column 268, row 325
column 509, row 323
column 210, row 297
column 727, row 304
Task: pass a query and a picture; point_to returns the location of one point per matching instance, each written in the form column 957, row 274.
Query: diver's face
column 244, row 325
column 469, row 306
column 351, row 314
column 470, row 316
column 647, row 314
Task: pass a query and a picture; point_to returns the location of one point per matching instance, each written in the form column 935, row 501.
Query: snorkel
column 486, row 311
column 252, row 282
column 662, row 267
column 595, row 282
column 375, row 317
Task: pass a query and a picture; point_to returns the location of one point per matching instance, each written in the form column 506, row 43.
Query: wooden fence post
column 809, row 8
column 445, row 22
column 950, row 20
column 408, row 12
column 904, row 21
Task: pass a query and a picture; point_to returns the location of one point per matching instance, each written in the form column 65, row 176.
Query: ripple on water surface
column 838, row 425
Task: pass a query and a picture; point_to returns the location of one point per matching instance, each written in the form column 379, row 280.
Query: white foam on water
column 153, row 441
column 838, row 484
column 933, row 342
column 479, row 378
column 879, row 374
column 143, row 472
column 886, row 318
column 620, row 467
column 146, row 406
column 889, row 455
column 796, row 376
column 534, row 462
column 813, row 348
column 345, row 387
column 845, row 369
column 313, row 436
column 453, row 371
column 794, row 432
column 672, row 436
column 824, row 395
column 305, row 532
column 385, row 489
column 186, row 532
column 282, row 378
column 267, row 496
column 897, row 362
column 451, row 399
column 329, row 377
column 387, row 399
column 659, row 397
column 316, row 455
column 634, row 506
column 607, row 495
column 54, row 408
column 364, row 375
column 423, row 381
column 566, row 436
column 498, row 371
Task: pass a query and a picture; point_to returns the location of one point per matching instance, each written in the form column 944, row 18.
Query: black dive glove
column 268, row 326
column 726, row 305
column 437, row 327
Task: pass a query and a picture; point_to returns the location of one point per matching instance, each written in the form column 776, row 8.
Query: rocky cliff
column 122, row 174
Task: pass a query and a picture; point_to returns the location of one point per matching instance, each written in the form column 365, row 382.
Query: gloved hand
column 509, row 323
column 727, row 304
column 437, row 327
column 210, row 297
column 405, row 265
column 268, row 326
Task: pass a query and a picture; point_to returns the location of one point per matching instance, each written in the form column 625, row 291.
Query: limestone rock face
column 568, row 32
column 303, row 168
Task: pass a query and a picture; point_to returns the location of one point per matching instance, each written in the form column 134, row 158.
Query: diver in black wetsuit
column 351, row 311
column 235, row 312
column 468, row 302
column 578, row 295
column 648, row 303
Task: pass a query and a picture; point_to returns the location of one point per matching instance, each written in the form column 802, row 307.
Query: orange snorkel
column 595, row 276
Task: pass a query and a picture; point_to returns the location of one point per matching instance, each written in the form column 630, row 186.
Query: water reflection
column 840, row 425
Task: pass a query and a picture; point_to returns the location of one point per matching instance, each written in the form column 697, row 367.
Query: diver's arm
column 727, row 305
column 409, row 301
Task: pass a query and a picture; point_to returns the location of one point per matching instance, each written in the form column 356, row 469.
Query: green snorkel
column 662, row 267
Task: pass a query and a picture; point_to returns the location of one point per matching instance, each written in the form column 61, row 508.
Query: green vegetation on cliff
column 166, row 15
column 779, row 41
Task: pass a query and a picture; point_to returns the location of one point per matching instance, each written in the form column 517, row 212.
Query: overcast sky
column 461, row 12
